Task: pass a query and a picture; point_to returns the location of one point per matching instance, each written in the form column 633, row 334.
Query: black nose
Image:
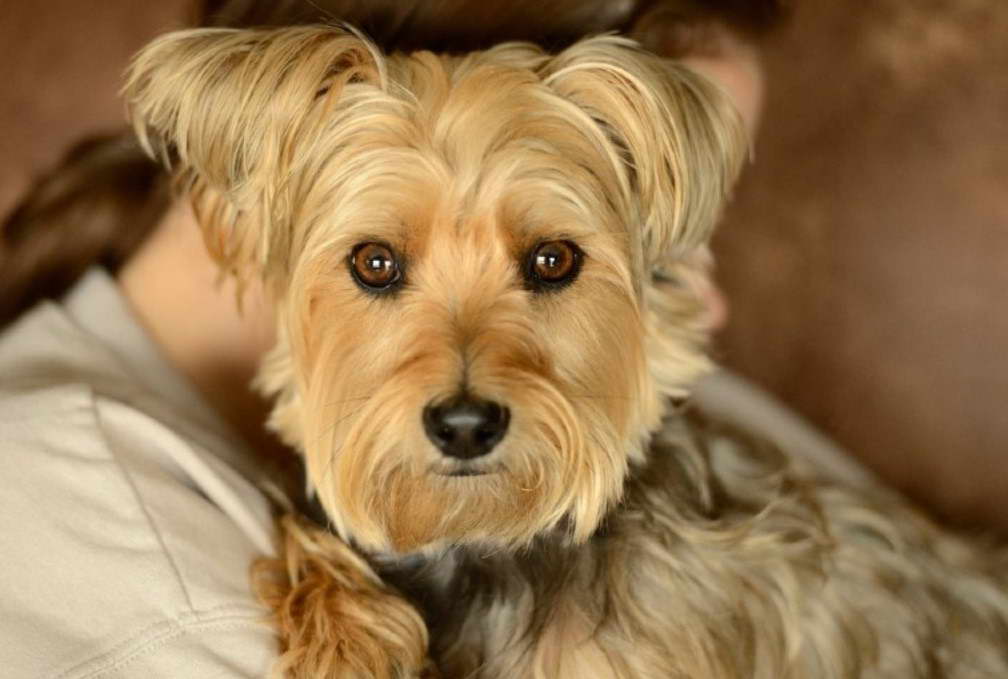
column 465, row 427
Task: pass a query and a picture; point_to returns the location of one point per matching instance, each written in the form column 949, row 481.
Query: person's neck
column 177, row 294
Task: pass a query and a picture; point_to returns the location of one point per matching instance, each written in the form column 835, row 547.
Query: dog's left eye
column 553, row 264
column 375, row 267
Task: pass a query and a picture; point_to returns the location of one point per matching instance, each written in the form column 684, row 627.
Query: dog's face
column 474, row 343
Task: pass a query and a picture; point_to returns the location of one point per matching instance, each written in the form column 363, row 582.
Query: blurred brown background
column 865, row 255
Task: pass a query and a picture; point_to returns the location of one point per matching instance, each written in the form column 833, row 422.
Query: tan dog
column 482, row 268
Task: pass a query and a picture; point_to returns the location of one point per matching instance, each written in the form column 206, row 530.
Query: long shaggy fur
column 608, row 537
column 724, row 560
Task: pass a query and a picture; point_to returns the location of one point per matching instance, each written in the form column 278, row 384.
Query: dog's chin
column 471, row 505
column 486, row 506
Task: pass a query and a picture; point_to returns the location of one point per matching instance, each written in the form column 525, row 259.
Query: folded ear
column 677, row 138
column 228, row 108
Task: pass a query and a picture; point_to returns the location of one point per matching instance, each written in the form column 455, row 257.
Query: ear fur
column 230, row 106
column 678, row 139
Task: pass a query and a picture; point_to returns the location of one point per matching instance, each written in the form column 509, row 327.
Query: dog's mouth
column 467, row 472
column 459, row 471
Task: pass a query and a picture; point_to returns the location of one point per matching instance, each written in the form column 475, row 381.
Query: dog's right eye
column 375, row 267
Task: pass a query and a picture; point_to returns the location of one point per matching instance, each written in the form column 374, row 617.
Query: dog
column 483, row 271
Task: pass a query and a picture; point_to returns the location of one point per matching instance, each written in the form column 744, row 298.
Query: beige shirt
column 129, row 514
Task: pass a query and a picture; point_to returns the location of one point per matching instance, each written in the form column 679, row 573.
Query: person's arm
column 117, row 563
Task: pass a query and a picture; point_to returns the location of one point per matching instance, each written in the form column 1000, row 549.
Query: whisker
column 332, row 456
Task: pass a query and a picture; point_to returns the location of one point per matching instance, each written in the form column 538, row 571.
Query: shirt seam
column 156, row 636
column 99, row 426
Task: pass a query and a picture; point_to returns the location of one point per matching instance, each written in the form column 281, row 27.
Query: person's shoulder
column 39, row 418
column 113, row 558
column 46, row 348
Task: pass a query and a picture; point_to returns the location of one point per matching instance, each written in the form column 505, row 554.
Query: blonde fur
column 604, row 541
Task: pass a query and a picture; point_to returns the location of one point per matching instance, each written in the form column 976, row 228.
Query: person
column 138, row 484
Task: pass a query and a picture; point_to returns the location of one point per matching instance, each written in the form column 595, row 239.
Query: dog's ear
column 228, row 109
column 677, row 139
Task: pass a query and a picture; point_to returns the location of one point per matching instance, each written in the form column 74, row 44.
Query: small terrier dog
column 483, row 267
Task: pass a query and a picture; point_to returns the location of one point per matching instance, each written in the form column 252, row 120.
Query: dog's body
column 482, row 269
column 725, row 559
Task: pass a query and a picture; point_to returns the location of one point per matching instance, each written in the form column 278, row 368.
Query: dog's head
column 481, row 263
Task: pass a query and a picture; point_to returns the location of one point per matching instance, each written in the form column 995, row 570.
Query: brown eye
column 374, row 267
column 553, row 264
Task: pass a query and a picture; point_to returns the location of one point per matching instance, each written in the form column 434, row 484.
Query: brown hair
column 104, row 198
